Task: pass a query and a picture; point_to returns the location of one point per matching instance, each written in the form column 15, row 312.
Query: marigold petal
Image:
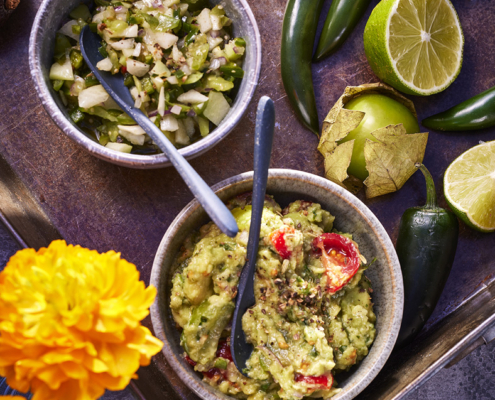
column 10, row 374
column 75, row 371
column 126, row 360
column 53, row 376
column 95, row 365
column 110, row 382
column 56, row 357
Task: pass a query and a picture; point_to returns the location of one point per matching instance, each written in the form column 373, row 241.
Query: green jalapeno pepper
column 298, row 36
column 342, row 18
column 477, row 112
column 426, row 248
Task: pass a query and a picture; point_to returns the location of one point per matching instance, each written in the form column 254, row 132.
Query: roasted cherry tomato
column 278, row 240
column 190, row 361
column 224, row 350
column 339, row 256
column 213, row 373
column 323, row 381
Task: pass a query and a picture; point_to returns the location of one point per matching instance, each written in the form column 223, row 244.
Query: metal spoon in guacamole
column 263, row 138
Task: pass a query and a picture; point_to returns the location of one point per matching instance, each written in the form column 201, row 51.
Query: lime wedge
column 415, row 45
column 469, row 187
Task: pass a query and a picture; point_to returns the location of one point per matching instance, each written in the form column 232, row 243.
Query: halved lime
column 469, row 187
column 415, row 45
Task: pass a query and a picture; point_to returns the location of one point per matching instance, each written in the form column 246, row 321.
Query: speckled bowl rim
column 352, row 201
column 240, row 105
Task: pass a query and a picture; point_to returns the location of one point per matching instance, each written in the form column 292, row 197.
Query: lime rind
column 377, row 40
column 469, row 187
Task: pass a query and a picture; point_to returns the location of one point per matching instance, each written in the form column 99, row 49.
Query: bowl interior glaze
column 52, row 14
column 351, row 216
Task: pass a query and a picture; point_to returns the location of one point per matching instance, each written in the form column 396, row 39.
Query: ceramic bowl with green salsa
column 325, row 320
column 191, row 66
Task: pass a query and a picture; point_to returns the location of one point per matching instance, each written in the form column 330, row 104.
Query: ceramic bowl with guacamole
column 328, row 294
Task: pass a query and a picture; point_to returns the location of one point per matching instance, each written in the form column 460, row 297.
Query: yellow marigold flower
column 12, row 398
column 70, row 322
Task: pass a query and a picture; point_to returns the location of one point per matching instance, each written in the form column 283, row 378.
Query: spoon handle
column 114, row 85
column 263, row 139
column 214, row 207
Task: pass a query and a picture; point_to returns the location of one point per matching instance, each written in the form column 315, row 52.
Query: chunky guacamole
column 313, row 315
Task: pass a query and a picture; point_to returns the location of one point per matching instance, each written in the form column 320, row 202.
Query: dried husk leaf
column 339, row 123
column 391, row 161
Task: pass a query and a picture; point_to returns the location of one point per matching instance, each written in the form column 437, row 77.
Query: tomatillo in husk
column 370, row 135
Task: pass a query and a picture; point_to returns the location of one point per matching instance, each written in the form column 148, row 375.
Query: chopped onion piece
column 63, row 72
column 176, row 110
column 134, row 92
column 172, row 80
column 189, row 125
column 131, row 137
column 134, row 129
column 123, row 44
column 204, row 21
column 192, row 97
column 122, row 147
column 92, row 96
column 137, row 50
column 176, row 54
column 128, row 53
column 215, row 64
column 169, row 123
column 77, row 86
column 216, row 22
column 183, row 8
column 185, row 68
column 165, row 40
column 108, row 13
column 67, row 30
column 161, row 102
column 104, row 65
column 137, row 68
column 131, row 31
column 139, row 5
column 212, row 41
column 181, row 136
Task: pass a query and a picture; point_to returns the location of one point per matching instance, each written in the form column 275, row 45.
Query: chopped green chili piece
column 221, row 363
column 76, row 115
column 57, row 84
column 232, row 71
column 240, row 42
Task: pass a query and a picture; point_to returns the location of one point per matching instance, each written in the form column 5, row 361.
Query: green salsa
column 178, row 58
column 313, row 315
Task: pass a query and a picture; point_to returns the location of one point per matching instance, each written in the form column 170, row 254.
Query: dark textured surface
column 104, row 207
